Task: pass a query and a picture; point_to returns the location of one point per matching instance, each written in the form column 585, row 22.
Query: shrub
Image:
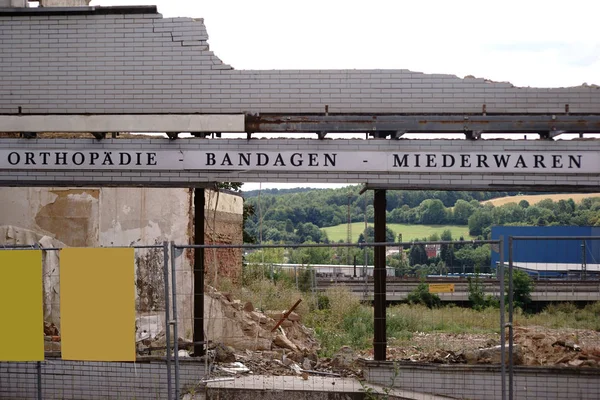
column 422, row 296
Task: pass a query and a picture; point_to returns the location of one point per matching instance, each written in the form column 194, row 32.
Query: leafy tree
column 480, row 219
column 311, row 255
column 523, row 203
column 432, row 212
column 447, row 250
column 522, row 288
column 462, row 212
column 417, row 255
column 389, row 235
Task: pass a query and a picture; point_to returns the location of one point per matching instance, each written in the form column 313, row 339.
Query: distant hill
column 534, row 199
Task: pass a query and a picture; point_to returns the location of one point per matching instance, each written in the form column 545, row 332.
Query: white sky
column 526, row 42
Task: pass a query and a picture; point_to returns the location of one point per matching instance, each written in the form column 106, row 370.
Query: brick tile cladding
column 98, row 62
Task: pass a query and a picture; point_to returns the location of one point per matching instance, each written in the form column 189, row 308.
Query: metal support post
column 583, row 261
column 167, row 319
column 36, row 246
column 199, row 205
column 174, row 322
column 379, row 276
column 500, row 274
column 510, row 317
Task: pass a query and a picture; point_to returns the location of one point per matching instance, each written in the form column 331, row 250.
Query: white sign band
column 303, row 161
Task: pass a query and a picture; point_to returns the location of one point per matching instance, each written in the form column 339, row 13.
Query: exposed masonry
column 103, row 61
column 502, row 181
column 91, row 380
column 485, row 382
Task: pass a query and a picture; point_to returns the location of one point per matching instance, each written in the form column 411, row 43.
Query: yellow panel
column 21, row 306
column 97, row 304
column 441, row 288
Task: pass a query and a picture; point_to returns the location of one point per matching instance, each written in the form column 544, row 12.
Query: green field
column 409, row 232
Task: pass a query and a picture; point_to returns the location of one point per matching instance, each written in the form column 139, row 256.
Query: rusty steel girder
column 546, row 125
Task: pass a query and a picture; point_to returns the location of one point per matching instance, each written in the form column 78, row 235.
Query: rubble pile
column 531, row 346
column 567, row 348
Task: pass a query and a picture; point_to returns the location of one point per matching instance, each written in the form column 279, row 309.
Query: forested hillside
column 297, row 215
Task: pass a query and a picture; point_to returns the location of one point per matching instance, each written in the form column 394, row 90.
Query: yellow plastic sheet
column 97, row 304
column 21, row 306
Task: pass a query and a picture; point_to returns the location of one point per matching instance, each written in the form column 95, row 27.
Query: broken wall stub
column 223, row 226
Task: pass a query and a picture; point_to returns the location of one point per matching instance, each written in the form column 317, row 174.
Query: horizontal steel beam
column 522, row 123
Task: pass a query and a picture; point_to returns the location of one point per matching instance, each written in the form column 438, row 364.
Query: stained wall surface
column 95, row 217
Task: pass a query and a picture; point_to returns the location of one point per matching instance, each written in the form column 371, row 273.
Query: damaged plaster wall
column 133, row 216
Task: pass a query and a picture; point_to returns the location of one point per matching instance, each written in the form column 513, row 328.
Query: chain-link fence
column 299, row 318
column 151, row 376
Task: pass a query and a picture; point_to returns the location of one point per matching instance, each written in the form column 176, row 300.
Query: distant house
column 432, row 250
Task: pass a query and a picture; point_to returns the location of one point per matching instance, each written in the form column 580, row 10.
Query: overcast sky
column 527, row 42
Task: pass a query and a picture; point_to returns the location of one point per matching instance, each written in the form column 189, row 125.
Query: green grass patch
column 409, row 232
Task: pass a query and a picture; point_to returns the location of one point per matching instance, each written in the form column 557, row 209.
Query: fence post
column 510, row 317
column 36, row 246
column 175, row 333
column 167, row 322
column 502, row 319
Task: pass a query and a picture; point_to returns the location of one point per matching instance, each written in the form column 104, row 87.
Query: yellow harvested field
column 533, row 199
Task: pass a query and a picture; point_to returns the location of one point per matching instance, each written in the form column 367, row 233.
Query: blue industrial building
column 551, row 258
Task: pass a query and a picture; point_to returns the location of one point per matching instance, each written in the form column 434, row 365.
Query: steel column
column 379, row 276
column 199, row 272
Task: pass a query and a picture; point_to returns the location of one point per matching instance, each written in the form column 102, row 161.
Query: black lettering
column 445, row 158
column 124, row 158
column 502, row 160
column 12, row 160
column 244, row 159
column 279, row 161
column 263, row 159
column 465, row 161
column 61, row 158
column 294, row 160
column 482, row 160
column 29, row 158
column 210, row 159
column 521, row 161
column 431, row 161
column 576, row 161
column 93, row 157
column 417, row 160
column 138, row 158
column 557, row 161
column 329, row 160
column 400, row 162
column 313, row 160
column 151, row 159
column 107, row 158
column 45, row 155
column 538, row 160
column 226, row 160
column 81, row 158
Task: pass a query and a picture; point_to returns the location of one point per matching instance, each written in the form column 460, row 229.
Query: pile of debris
column 532, row 346
column 567, row 348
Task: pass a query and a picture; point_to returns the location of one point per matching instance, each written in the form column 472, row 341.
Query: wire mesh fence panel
column 301, row 318
column 555, row 290
column 102, row 377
